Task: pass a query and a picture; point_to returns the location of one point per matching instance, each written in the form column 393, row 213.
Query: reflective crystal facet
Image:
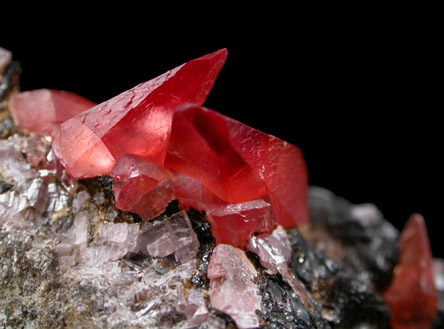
column 141, row 186
column 172, row 236
column 42, row 111
column 412, row 296
column 137, row 121
column 239, row 163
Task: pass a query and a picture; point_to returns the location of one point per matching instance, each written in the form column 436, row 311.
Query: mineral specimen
column 246, row 181
column 42, row 111
column 412, row 295
column 75, row 253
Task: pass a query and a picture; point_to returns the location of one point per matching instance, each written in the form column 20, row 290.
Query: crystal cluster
column 159, row 144
column 77, row 254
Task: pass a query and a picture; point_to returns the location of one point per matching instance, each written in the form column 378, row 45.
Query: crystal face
column 141, row 186
column 137, row 121
column 239, row 163
column 412, row 296
column 42, row 111
column 232, row 288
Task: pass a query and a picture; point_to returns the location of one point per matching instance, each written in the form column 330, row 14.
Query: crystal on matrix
column 137, row 121
column 412, row 296
column 141, row 186
column 232, row 224
column 232, row 287
column 42, row 111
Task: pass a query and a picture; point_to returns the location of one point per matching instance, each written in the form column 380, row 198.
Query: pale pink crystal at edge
column 232, row 288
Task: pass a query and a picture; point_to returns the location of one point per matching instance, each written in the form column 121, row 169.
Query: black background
column 360, row 96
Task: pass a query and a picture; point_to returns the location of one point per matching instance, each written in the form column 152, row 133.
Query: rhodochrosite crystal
column 42, row 111
column 159, row 144
column 137, row 121
column 412, row 296
column 141, row 186
column 239, row 163
column 231, row 224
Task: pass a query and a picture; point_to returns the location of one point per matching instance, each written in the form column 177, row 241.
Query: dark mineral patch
column 10, row 81
column 203, row 231
column 368, row 241
column 336, row 287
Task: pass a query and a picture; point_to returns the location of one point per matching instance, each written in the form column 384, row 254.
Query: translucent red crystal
column 231, row 224
column 200, row 147
column 137, row 121
column 42, row 111
column 239, row 163
column 412, row 296
column 141, row 186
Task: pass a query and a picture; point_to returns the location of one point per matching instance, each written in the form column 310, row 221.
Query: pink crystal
column 273, row 250
column 171, row 236
column 239, row 163
column 35, row 148
column 200, row 148
column 138, row 121
column 232, row 288
column 412, row 296
column 141, row 186
column 42, row 111
column 231, row 224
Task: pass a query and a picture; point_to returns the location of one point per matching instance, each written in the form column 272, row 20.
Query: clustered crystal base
column 151, row 211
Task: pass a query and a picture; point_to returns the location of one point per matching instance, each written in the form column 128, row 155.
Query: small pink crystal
column 412, row 296
column 42, row 111
column 141, row 186
column 137, row 121
column 273, row 250
column 171, row 236
column 232, row 288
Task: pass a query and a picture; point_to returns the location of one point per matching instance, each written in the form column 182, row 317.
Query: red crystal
column 232, row 224
column 159, row 144
column 200, row 147
column 42, row 111
column 239, row 163
column 138, row 121
column 141, row 186
column 412, row 296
